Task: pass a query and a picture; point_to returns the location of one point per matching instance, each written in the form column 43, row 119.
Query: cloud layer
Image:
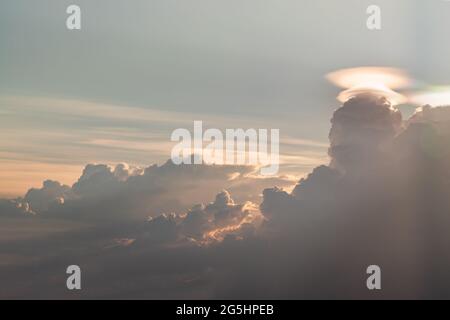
column 123, row 192
column 383, row 199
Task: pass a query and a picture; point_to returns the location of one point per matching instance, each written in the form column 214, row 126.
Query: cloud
column 53, row 139
column 52, row 192
column 360, row 129
column 170, row 255
column 133, row 193
column 14, row 208
column 206, row 223
column 383, row 199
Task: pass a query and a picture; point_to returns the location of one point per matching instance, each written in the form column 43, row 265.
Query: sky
column 86, row 118
column 226, row 63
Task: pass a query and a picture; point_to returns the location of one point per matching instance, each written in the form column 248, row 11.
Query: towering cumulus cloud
column 360, row 130
column 384, row 200
column 172, row 232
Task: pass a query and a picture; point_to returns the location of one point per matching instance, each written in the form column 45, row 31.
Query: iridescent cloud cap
column 378, row 81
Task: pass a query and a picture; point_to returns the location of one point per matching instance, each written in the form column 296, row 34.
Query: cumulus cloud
column 169, row 256
column 51, row 193
column 383, row 199
column 14, row 208
column 360, row 130
column 205, row 224
column 122, row 192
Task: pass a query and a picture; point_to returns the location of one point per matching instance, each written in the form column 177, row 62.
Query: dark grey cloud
column 14, row 208
column 51, row 193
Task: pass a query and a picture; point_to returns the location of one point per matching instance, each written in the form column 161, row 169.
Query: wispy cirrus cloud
column 62, row 135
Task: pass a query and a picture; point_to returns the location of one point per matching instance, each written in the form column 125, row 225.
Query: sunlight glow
column 390, row 77
column 376, row 80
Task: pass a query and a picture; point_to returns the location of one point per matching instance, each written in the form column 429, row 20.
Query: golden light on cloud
column 375, row 80
column 433, row 96
column 254, row 218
